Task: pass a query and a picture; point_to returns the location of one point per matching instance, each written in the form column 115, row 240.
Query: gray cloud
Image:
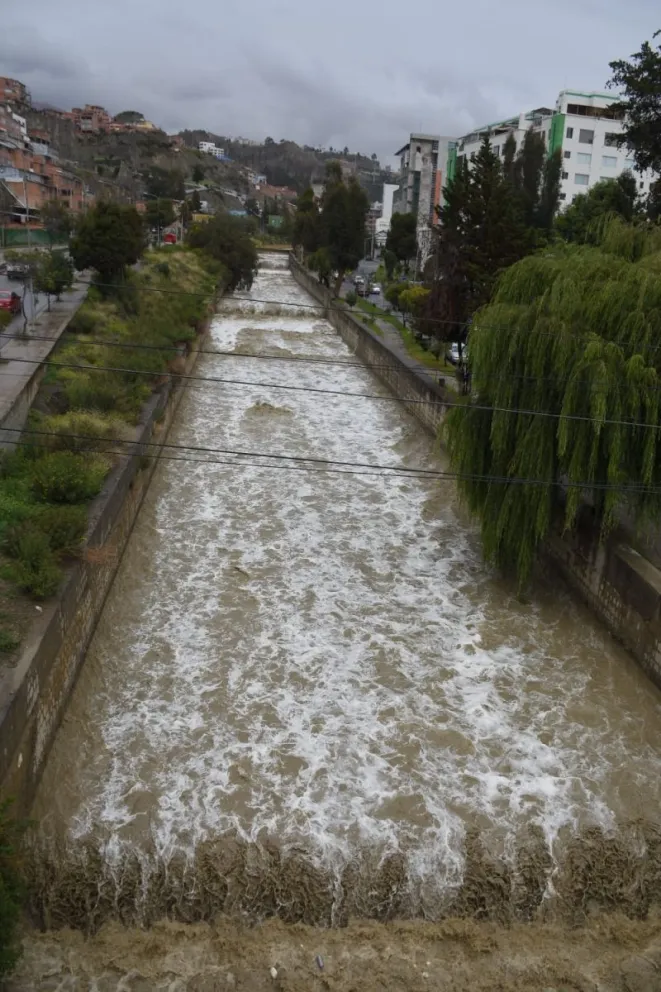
column 354, row 74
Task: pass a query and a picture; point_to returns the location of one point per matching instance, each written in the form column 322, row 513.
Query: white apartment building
column 389, row 190
column 211, row 149
column 585, row 126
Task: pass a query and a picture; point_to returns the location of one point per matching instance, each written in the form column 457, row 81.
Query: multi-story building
column 210, row 148
column 585, row 127
column 14, row 92
column 421, row 177
column 91, row 118
column 389, row 190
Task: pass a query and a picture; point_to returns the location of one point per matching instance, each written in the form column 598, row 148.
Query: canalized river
column 321, row 662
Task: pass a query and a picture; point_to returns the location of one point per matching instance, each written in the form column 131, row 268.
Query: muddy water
column 323, row 660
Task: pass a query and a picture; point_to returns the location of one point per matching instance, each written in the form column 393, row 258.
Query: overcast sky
column 353, row 72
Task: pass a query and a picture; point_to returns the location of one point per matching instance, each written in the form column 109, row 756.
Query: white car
column 376, row 289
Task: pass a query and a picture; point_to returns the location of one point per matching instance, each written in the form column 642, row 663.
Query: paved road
column 21, row 355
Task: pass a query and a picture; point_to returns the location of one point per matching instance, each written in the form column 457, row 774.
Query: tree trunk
column 338, row 283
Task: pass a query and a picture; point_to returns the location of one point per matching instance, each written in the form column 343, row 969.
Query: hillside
column 285, row 163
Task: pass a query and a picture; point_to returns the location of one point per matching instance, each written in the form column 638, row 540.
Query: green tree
column 609, row 196
column 165, row 184
column 344, row 209
column 402, row 238
column 509, row 158
column 351, row 297
column 198, row 173
column 129, row 117
column 640, row 80
column 307, row 226
column 108, row 238
column 572, row 332
column 481, row 233
column 195, row 202
column 389, row 263
column 54, row 274
column 159, row 213
column 394, row 292
column 57, row 220
column 413, row 300
column 550, row 195
column 528, row 174
column 320, row 262
column 226, row 239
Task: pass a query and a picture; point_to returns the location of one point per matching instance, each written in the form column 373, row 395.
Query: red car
column 10, row 301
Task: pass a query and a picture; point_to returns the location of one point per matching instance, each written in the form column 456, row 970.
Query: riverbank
column 112, row 418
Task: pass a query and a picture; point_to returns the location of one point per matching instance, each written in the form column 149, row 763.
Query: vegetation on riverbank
column 566, row 388
column 84, row 410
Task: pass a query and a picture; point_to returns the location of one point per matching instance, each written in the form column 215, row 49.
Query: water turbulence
column 308, row 696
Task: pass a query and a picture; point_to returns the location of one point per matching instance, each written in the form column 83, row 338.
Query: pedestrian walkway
column 21, row 355
column 391, row 336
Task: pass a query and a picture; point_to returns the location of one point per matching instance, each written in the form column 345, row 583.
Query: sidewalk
column 393, row 339
column 19, row 378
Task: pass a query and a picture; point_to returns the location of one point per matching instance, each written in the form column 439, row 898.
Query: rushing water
column 323, row 659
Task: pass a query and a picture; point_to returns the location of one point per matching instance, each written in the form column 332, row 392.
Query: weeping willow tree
column 571, row 341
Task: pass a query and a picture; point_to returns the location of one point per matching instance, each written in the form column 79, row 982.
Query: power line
column 338, row 392
column 385, row 472
column 104, row 343
column 301, row 359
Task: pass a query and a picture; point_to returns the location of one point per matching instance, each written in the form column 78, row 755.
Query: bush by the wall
column 67, row 477
column 64, row 526
column 35, row 569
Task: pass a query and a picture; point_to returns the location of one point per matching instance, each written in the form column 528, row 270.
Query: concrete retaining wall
column 618, row 579
column 423, row 397
column 34, row 695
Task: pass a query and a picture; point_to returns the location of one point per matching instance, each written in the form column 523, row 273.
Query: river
column 321, row 662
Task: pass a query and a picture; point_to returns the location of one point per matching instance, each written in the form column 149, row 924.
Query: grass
column 413, row 347
column 47, row 484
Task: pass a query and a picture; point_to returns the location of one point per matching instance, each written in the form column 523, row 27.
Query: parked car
column 376, row 289
column 10, row 301
column 16, row 270
column 452, row 354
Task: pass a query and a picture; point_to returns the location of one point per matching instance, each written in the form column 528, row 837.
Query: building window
column 567, row 154
column 584, row 158
column 609, row 161
column 581, row 179
column 565, row 175
column 472, row 156
column 586, row 137
column 570, row 132
column 629, row 163
column 610, row 139
column 642, row 185
column 496, row 149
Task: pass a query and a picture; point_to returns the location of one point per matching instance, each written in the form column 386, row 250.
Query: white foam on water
column 324, row 658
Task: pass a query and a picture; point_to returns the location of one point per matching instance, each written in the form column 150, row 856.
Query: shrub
column 35, row 570
column 82, row 322
column 8, row 643
column 84, row 392
column 11, row 890
column 64, row 526
column 75, row 428
column 351, row 298
column 66, row 477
